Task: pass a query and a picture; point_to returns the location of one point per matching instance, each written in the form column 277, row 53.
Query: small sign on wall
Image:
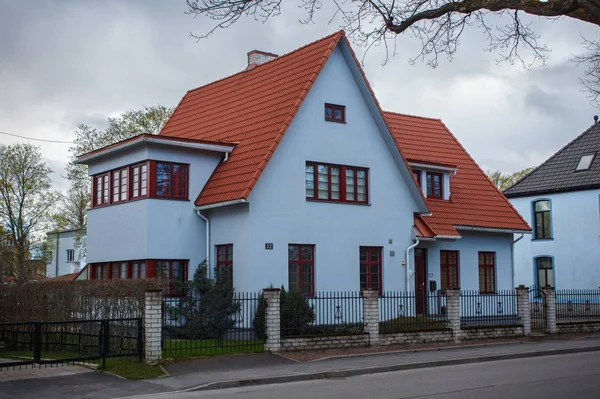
column 268, row 245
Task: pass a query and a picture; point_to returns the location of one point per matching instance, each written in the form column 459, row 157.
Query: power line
column 31, row 138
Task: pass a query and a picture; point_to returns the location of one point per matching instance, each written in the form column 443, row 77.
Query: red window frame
column 139, row 180
column 430, row 176
column 487, row 272
column 175, row 176
column 335, row 113
column 100, row 271
column 176, row 271
column 417, row 175
column 138, row 269
column 449, row 270
column 119, row 185
column 371, row 268
column 301, row 268
column 225, row 260
column 101, row 191
column 342, row 181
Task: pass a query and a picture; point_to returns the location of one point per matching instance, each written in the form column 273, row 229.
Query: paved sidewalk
column 240, row 370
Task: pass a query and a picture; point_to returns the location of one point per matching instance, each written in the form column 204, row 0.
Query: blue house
column 561, row 200
column 289, row 173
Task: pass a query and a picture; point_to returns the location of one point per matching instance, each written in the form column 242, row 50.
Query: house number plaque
column 268, row 245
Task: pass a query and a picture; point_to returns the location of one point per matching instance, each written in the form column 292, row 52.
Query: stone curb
column 380, row 369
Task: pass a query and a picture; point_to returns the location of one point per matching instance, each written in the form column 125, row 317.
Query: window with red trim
column 301, row 268
column 435, row 185
column 336, row 183
column 487, row 272
column 417, row 174
column 171, row 180
column 225, row 261
column 370, row 268
column 175, row 271
column 335, row 113
column 448, row 270
column 139, row 180
column 101, row 190
column 100, row 271
column 119, row 185
column 138, row 269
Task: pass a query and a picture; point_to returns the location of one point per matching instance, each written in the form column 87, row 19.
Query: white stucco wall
column 152, row 228
column 576, row 240
column 469, row 247
column 66, row 241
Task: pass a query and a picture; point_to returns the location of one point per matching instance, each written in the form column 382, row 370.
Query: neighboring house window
column 171, row 180
column 487, row 272
column 301, row 268
column 448, row 270
column 101, row 188
column 100, row 271
column 225, row 260
column 336, row 183
column 335, row 113
column 417, row 174
column 139, row 181
column 545, row 271
column 370, row 268
column 585, row 162
column 541, row 216
column 434, row 185
column 70, row 255
column 138, row 269
column 119, row 187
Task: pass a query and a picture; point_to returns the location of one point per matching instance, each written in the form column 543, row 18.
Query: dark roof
column 558, row 172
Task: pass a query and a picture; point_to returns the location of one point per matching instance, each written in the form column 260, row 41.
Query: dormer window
column 335, row 113
column 585, row 162
column 435, row 185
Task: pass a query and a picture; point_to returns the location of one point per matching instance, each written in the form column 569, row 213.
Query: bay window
column 101, row 188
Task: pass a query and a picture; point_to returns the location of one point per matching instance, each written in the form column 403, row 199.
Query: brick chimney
column 257, row 57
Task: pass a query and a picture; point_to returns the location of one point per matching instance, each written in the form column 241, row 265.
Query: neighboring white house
column 289, row 173
column 64, row 257
column 561, row 200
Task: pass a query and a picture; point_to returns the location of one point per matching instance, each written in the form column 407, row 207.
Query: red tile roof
column 255, row 108
column 474, row 200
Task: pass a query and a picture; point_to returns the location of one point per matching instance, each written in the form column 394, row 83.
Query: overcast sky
column 63, row 63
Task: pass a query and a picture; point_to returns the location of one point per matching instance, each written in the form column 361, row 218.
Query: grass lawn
column 176, row 348
column 411, row 324
column 131, row 368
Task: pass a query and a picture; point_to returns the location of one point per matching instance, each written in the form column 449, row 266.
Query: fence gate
column 537, row 300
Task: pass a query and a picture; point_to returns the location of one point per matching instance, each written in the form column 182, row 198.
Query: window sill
column 542, row 239
column 338, row 202
column 335, row 120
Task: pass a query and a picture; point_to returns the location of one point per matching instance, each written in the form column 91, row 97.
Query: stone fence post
column 371, row 314
column 272, row 297
column 153, row 325
column 550, row 296
column 453, row 311
column 524, row 308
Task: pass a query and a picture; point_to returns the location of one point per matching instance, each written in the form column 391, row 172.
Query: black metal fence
column 412, row 311
column 44, row 343
column 325, row 313
column 479, row 309
column 194, row 326
column 577, row 305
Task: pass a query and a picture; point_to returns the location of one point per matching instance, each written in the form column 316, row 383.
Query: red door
column 421, row 280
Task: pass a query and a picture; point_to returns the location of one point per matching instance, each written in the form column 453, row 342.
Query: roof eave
column 220, row 204
column 493, row 230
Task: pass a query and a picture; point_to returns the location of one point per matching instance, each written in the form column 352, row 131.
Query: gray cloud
column 63, row 63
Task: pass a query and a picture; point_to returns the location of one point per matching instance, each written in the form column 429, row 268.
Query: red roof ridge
column 484, row 174
column 412, row 116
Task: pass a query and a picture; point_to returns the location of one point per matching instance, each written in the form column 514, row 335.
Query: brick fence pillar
column 524, row 308
column 371, row 314
column 153, row 326
column 550, row 309
column 453, row 310
column 271, row 297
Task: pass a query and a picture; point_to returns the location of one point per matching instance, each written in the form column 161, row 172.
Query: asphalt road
column 565, row 376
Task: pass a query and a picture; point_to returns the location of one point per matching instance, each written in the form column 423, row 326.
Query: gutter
column 220, row 204
column 408, row 261
column 492, row 230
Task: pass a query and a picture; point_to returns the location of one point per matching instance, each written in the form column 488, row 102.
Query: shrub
column 296, row 314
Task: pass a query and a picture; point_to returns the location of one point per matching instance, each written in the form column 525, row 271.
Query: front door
column 421, row 280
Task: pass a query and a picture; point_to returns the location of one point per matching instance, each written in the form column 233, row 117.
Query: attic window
column 585, row 162
column 335, row 113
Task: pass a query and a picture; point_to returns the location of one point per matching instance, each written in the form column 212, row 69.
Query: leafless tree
column 437, row 24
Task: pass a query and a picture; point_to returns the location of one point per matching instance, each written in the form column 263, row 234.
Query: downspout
column 408, row 261
column 57, row 248
column 512, row 255
column 207, row 223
